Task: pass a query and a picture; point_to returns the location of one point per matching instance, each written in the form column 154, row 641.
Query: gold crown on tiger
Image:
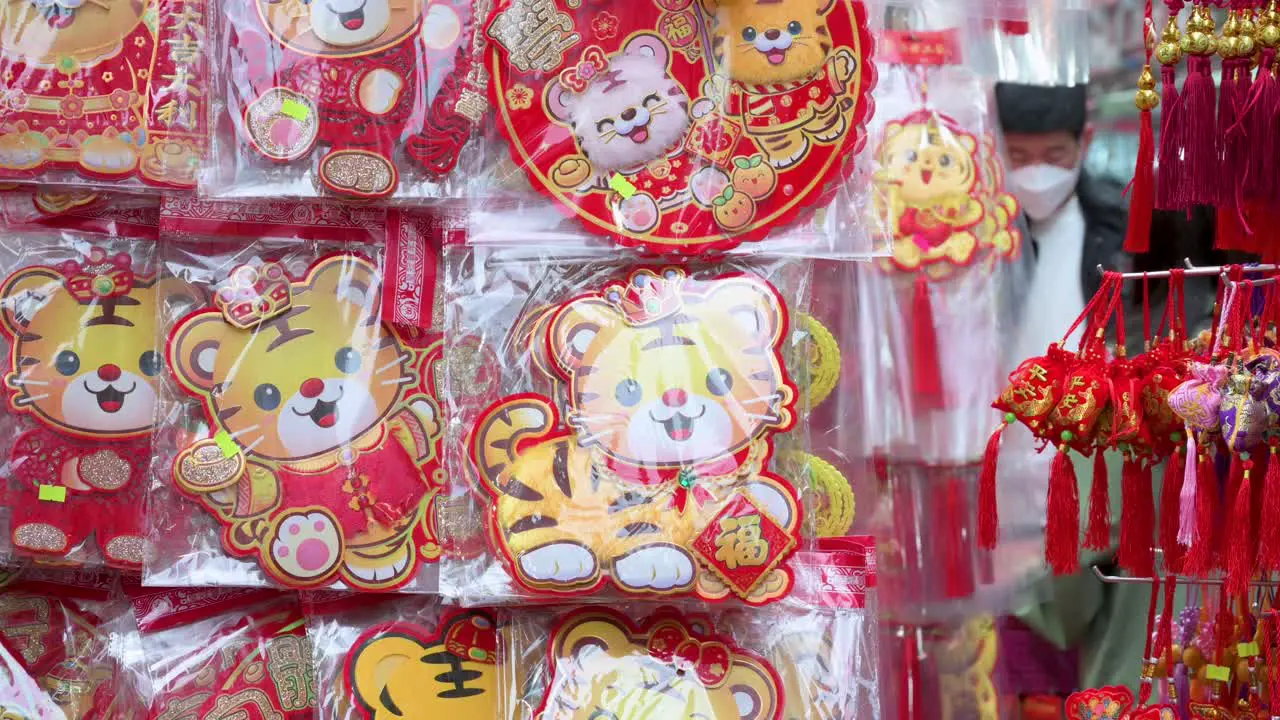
column 253, row 294
column 647, row 296
column 97, row 275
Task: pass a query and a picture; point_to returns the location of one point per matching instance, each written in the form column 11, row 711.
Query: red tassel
column 1264, row 102
column 1200, row 556
column 1137, row 521
column 1170, row 491
column 1199, row 149
column 1137, row 238
column 1240, row 552
column 988, row 509
column 1062, row 531
column 1098, row 534
column 1170, row 175
column 959, row 560
column 926, row 373
column 1269, row 523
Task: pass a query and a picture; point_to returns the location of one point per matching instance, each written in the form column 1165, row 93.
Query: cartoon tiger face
column 929, row 160
column 307, row 381
column 45, row 30
column 631, row 112
column 763, row 42
column 606, row 668
column 669, row 371
column 90, row 369
column 401, row 673
column 340, row 27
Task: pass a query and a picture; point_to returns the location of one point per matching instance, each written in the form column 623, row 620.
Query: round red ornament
column 682, row 126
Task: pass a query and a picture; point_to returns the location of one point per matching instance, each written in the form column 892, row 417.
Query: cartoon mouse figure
column 84, row 365
column 629, row 118
column 345, row 76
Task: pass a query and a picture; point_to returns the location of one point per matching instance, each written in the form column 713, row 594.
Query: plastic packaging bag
column 406, row 657
column 300, row 434
column 105, row 94
column 78, row 309
column 368, row 100
column 68, row 646
column 678, row 126
column 620, row 422
column 794, row 660
column 220, row 654
column 70, row 208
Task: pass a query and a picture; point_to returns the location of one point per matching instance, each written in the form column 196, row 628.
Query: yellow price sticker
column 622, row 186
column 226, row 443
column 1218, row 672
column 295, row 110
column 53, row 493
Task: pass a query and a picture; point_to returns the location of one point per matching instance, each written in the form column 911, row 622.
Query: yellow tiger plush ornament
column 657, row 484
column 325, row 464
column 604, row 666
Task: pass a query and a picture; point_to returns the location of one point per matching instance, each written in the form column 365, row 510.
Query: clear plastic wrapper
column 69, row 649
column 612, row 427
column 78, row 305
column 70, row 208
column 108, row 94
column 791, row 661
column 300, row 431
column 407, row 657
column 676, row 126
column 348, row 99
column 220, row 654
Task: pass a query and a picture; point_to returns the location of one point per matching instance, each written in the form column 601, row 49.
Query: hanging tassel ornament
column 988, row 510
column 926, row 370
column 1269, row 523
column 1264, row 133
column 1137, row 525
column 1170, row 491
column 1197, row 118
column 1236, row 46
column 1141, row 189
column 1201, row 553
column 1169, row 53
column 1097, row 535
column 1062, row 531
column 1240, row 555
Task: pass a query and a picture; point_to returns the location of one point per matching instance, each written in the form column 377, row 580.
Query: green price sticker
column 295, row 110
column 622, row 186
column 1218, row 672
column 226, row 443
column 1249, row 649
column 53, row 493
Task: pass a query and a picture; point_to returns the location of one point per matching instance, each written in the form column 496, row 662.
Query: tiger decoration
column 932, row 185
column 777, row 70
column 402, row 672
column 675, row 386
column 83, row 364
column 325, row 462
column 604, row 666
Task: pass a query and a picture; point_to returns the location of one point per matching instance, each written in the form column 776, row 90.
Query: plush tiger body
column 337, row 464
column 84, row 365
column 670, row 415
column 788, row 84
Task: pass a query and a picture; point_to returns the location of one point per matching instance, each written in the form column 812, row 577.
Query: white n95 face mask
column 1042, row 189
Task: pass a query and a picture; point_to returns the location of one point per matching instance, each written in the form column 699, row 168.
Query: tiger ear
column 592, row 633
column 353, row 280
column 754, row 690
column 376, row 660
column 824, row 6
column 751, row 307
column 24, row 294
column 575, row 328
column 194, row 348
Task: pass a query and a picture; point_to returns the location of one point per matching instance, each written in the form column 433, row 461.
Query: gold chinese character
column 1070, row 401
column 180, row 82
column 535, row 34
column 1077, row 381
column 681, row 28
column 1037, row 373
column 189, row 18
column 184, row 49
column 740, row 542
column 183, row 114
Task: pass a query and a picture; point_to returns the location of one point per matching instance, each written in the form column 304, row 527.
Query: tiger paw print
column 306, row 546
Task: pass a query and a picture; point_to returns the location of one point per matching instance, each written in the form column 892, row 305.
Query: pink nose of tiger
column 675, row 397
column 312, row 388
column 109, row 373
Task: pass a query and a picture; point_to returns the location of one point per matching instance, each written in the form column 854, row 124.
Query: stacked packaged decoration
column 455, row 321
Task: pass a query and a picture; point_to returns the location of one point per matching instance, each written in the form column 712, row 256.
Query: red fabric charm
column 1034, row 390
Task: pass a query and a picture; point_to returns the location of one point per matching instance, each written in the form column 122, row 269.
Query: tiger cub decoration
column 83, row 364
column 656, row 481
column 602, row 665
column 325, row 463
column 779, row 71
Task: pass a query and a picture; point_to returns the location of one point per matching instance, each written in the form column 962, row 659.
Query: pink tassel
column 1187, row 498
